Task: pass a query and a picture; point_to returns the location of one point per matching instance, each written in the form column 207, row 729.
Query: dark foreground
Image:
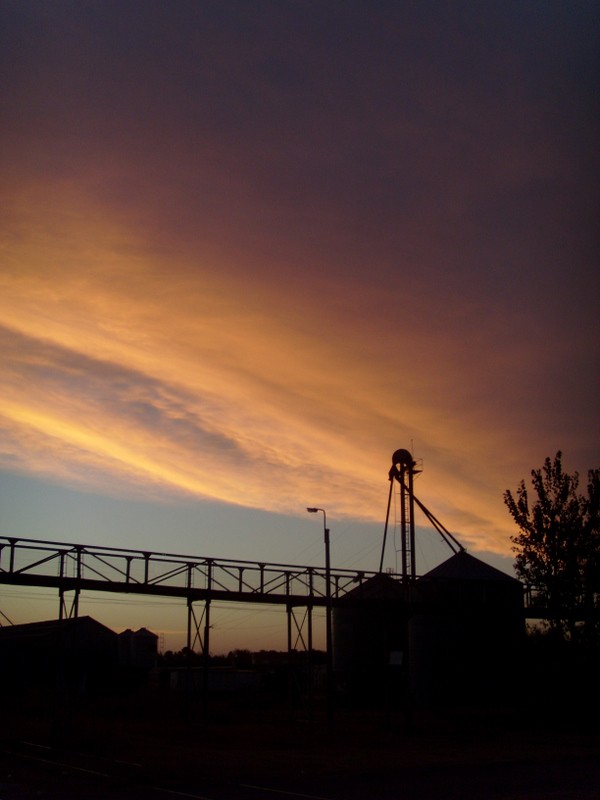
column 129, row 752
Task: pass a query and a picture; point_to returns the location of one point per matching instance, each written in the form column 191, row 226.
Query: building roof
column 50, row 626
column 465, row 567
column 140, row 633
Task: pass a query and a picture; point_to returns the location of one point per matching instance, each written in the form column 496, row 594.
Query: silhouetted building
column 450, row 637
column 76, row 655
column 369, row 626
column 465, row 634
column 138, row 650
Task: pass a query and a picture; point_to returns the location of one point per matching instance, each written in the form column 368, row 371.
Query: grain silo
column 465, row 628
column 369, row 633
column 448, row 637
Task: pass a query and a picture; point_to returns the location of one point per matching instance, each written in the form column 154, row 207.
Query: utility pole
column 328, row 622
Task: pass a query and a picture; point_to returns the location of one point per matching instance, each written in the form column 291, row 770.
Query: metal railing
column 78, row 566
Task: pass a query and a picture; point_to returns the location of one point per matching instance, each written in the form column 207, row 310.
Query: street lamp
column 328, row 632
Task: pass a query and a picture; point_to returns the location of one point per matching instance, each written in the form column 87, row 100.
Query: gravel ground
column 117, row 754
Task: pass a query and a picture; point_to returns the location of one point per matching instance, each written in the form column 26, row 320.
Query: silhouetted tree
column 240, row 659
column 558, row 549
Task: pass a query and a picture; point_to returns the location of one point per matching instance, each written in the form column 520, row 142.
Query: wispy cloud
column 249, row 268
column 197, row 390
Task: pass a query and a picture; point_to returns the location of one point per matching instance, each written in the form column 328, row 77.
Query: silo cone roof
column 464, row 567
column 379, row 587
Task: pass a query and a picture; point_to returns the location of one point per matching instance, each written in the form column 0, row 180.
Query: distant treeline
column 239, row 658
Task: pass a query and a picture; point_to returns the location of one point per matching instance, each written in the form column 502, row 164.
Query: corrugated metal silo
column 464, row 632
column 369, row 629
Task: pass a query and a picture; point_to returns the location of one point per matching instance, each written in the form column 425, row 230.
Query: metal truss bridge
column 73, row 568
column 78, row 567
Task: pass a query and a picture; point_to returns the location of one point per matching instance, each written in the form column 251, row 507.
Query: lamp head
column 312, row 510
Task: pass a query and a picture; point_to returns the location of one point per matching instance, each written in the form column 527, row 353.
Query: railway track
column 549, row 766
column 30, row 770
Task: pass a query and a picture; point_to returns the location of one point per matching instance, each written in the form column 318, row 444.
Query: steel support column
column 64, row 610
column 198, row 632
column 299, row 632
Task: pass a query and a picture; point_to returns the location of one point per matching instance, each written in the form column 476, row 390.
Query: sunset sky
column 250, row 249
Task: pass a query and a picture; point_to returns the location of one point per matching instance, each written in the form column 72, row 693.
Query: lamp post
column 328, row 631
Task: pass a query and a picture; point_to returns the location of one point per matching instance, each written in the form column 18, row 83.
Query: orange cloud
column 128, row 363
